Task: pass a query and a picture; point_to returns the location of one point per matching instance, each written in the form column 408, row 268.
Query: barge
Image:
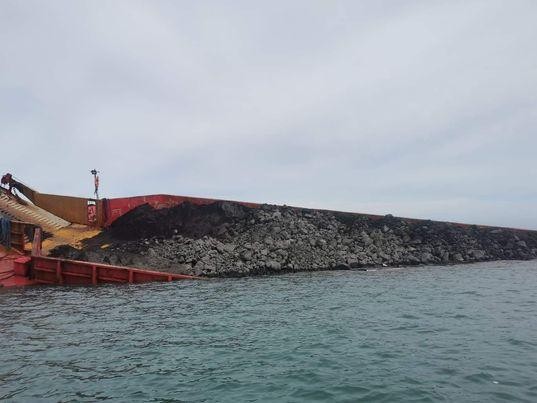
column 22, row 262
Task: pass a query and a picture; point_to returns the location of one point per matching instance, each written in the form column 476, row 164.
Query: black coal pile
column 188, row 219
column 228, row 239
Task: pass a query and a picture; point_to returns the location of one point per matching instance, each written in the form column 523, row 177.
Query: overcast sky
column 415, row 108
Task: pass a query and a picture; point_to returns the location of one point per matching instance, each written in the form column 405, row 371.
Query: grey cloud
column 414, row 108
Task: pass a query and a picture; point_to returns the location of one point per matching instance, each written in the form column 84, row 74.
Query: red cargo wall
column 115, row 208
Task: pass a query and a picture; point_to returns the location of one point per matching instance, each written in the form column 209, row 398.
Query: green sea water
column 456, row 333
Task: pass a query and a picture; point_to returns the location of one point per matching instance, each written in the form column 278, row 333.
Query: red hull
column 47, row 270
column 115, row 208
column 9, row 276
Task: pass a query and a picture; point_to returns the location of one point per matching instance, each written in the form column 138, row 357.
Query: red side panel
column 21, row 266
column 115, row 208
column 10, row 267
column 47, row 270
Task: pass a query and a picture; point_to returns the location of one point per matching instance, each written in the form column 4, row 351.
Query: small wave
column 480, row 377
column 409, row 316
column 521, row 343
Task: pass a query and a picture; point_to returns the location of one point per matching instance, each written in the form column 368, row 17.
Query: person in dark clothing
column 5, row 231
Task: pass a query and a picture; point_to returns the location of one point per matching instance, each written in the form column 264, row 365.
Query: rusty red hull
column 47, row 270
column 9, row 276
column 115, row 208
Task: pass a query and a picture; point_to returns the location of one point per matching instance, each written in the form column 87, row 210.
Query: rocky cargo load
column 230, row 239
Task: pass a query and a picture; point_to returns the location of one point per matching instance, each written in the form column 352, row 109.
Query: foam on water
column 458, row 333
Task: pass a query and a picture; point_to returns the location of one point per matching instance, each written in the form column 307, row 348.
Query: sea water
column 453, row 333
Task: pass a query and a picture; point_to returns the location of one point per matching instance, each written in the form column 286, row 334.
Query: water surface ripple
column 458, row 333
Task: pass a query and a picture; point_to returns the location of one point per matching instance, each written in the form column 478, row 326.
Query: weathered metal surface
column 72, row 209
column 47, row 270
column 30, row 213
column 9, row 276
column 18, row 234
column 115, row 208
column 19, row 270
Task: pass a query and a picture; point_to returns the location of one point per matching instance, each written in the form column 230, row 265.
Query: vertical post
column 33, row 264
column 131, row 276
column 36, row 244
column 94, row 275
column 95, row 174
column 169, row 277
column 59, row 277
column 101, row 212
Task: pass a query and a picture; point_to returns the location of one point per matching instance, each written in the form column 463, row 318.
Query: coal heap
column 229, row 239
column 187, row 219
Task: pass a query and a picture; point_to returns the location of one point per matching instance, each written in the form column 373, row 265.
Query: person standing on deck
column 95, row 174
